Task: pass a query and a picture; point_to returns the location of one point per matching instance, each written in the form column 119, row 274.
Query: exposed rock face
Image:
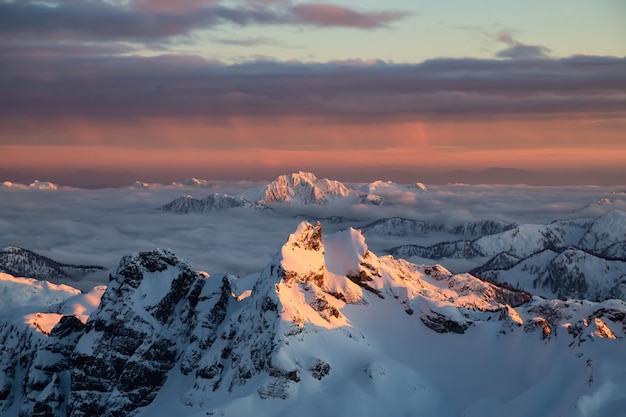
column 48, row 374
column 482, row 228
column 137, row 335
column 442, row 324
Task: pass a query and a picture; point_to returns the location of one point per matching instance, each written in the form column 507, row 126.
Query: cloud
column 324, row 14
column 131, row 88
column 522, row 51
column 101, row 226
column 249, row 42
column 52, row 47
column 143, row 21
column 518, row 50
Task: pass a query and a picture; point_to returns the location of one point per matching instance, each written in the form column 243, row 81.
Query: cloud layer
column 146, row 20
column 175, row 86
column 100, row 226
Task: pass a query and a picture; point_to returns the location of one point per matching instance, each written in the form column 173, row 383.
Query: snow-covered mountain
column 214, row 202
column 305, row 188
column 326, row 328
column 389, row 188
column 140, row 185
column 300, row 188
column 396, row 226
column 582, row 258
column 603, row 205
column 25, row 263
column 195, row 182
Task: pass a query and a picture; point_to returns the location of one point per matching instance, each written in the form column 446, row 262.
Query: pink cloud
column 324, row 14
column 168, row 6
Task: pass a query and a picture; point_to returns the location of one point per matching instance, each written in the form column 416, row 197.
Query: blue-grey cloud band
column 127, row 87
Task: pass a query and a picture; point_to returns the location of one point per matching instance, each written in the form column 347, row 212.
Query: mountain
column 25, row 263
column 300, row 188
column 194, row 182
column 481, row 228
column 140, row 185
column 386, row 188
column 578, row 258
column 326, row 328
column 571, row 273
column 305, row 188
column 214, row 202
column 396, row 226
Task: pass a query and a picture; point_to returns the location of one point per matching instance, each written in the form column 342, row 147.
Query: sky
column 255, row 88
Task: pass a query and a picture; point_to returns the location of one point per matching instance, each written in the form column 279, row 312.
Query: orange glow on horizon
column 296, row 142
column 120, row 158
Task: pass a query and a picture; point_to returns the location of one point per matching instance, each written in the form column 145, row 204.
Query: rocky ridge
column 22, row 262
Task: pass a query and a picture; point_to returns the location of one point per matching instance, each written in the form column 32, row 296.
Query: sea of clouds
column 100, row 226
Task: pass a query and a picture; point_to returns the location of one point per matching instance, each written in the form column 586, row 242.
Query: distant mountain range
column 214, row 202
column 301, row 188
column 495, row 175
column 397, row 226
column 580, row 258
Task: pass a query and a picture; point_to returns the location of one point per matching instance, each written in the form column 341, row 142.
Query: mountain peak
column 307, row 236
column 309, row 176
column 298, row 188
column 195, row 182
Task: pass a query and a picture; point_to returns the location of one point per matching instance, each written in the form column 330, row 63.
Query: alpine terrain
column 327, row 327
column 578, row 258
column 301, row 188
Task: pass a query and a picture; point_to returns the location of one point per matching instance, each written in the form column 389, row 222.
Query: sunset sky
column 258, row 87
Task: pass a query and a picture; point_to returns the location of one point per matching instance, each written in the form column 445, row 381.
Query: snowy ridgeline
column 25, row 263
column 301, row 188
column 326, row 328
column 577, row 258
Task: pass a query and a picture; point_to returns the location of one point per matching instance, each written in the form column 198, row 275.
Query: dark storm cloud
column 176, row 86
